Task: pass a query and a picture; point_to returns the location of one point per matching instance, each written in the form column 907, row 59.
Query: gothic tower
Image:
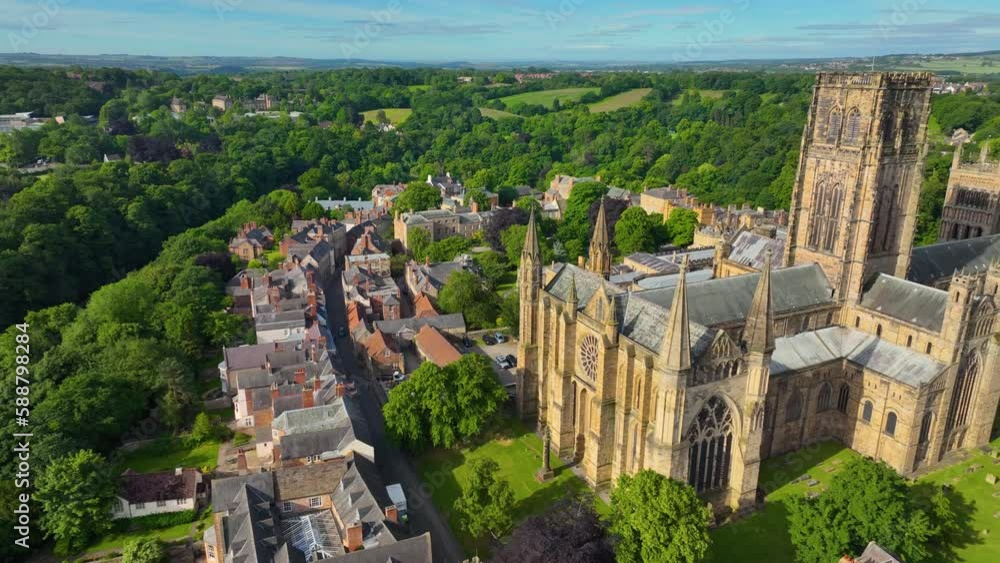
column 854, row 204
column 600, row 246
column 529, row 283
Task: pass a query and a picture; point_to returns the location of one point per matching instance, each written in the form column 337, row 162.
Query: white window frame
column 315, row 502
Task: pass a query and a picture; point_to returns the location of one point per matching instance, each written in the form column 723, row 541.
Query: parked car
column 398, row 377
column 466, row 343
column 489, row 340
column 500, row 337
column 503, row 362
column 512, row 360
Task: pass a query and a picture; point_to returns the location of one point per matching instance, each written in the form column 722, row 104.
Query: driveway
column 395, row 466
column 505, row 376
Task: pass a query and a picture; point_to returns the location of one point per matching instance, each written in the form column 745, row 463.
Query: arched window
column 929, row 348
column 852, row 133
column 878, row 330
column 825, row 216
column 857, row 322
column 843, row 397
column 925, row 427
column 710, row 440
column 635, row 446
column 890, row 424
column 805, row 324
column 833, row 125
column 823, row 403
column 961, row 399
column 909, row 340
column 883, row 237
column 829, row 319
column 793, row 410
column 866, row 413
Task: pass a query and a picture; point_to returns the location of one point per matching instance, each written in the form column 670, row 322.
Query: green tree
column 494, row 267
column 444, row 406
column 465, row 293
column 75, row 494
column 205, row 429
column 636, row 231
column 419, row 242
column 487, row 502
column 143, row 550
column 510, row 312
column 313, row 210
column 446, row 249
column 658, row 519
column 528, row 204
column 479, row 196
column 681, row 225
column 867, row 500
column 418, row 196
column 512, row 240
column 178, row 396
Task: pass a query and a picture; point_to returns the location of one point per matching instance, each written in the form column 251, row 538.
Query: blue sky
column 498, row 30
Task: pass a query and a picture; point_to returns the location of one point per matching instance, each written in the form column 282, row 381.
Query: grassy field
column 711, row 94
column 741, row 541
column 519, row 454
column 169, row 453
column 623, row 100
column 547, row 97
column 419, row 87
column 496, row 113
column 396, row 115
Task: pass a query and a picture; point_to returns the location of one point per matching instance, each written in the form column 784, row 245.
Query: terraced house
column 860, row 337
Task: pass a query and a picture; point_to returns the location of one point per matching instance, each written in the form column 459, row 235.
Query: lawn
column 169, row 453
column 519, row 454
column 623, row 100
column 419, row 87
column 547, row 97
column 496, row 113
column 710, row 94
column 115, row 540
column 741, row 541
column 396, row 116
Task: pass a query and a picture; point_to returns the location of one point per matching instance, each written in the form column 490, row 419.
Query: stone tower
column 972, row 204
column 529, row 283
column 854, row 204
column 600, row 246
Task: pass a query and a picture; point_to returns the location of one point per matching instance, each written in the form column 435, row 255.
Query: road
column 394, row 465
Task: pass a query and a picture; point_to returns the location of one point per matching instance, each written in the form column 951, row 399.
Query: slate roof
column 244, row 357
column 360, row 497
column 163, row 485
column 440, row 322
column 907, row 301
column 932, row 263
column 250, row 527
column 750, row 249
column 874, row 553
column 814, row 348
column 224, row 491
column 655, row 262
column 413, row 550
column 662, row 282
column 304, row 481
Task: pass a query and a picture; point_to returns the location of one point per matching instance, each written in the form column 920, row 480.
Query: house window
column 161, row 503
column 842, row 397
column 315, row 502
column 829, row 319
column 890, row 424
column 210, row 550
column 178, row 502
column 866, row 413
column 117, row 505
column 140, row 506
column 286, row 506
column 309, row 459
column 805, row 324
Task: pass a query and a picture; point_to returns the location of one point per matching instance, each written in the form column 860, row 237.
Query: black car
column 489, row 340
column 512, row 360
column 466, row 343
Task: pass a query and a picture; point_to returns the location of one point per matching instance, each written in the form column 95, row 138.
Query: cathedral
column 860, row 338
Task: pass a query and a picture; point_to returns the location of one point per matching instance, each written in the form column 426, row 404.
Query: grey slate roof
column 657, row 263
column 360, row 497
column 413, row 550
column 304, row 481
column 907, row 301
column 440, row 322
column 874, row 553
column 750, row 249
column 249, row 527
column 662, row 282
column 727, row 300
column 929, row 264
column 815, row 348
column 224, row 491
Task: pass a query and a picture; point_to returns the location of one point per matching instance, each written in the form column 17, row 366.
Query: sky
column 499, row 30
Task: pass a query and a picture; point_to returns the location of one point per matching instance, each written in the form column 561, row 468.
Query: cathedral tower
column 854, row 204
column 600, row 246
column 529, row 284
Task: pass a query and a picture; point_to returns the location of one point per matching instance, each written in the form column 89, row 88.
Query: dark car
column 489, row 340
column 512, row 360
column 466, row 343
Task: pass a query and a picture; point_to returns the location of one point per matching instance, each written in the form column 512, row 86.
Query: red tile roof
column 435, row 347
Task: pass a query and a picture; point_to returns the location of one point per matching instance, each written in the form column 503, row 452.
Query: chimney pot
column 355, row 537
column 392, row 514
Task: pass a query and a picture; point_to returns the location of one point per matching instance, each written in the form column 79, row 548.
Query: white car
column 398, row 377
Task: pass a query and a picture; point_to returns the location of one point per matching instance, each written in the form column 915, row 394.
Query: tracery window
column 852, row 132
column 866, row 413
column 826, row 207
column 833, row 125
column 711, row 441
column 962, row 398
column 843, row 397
column 824, row 400
column 793, row 409
column 589, row 351
column 890, row 424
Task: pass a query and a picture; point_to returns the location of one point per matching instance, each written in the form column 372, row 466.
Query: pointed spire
column 675, row 351
column 571, row 292
column 612, row 316
column 601, row 227
column 758, row 334
column 600, row 248
column 531, row 240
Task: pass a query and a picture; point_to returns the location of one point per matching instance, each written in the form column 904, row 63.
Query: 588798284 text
column 22, row 438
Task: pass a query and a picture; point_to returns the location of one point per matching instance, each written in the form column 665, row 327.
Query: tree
column 75, row 494
column 658, row 519
column 510, row 312
column 142, row 550
column 444, row 406
column 486, row 502
column 479, row 196
column 867, row 500
column 178, row 395
column 500, row 220
column 313, row 210
column 418, row 196
column 635, row 232
column 494, row 267
column 419, row 242
column 446, row 249
column 205, row 429
column 528, row 204
column 465, row 293
column 570, row 531
column 681, row 224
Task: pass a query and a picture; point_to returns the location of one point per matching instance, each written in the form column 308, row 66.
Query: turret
column 962, row 290
column 600, row 246
column 572, row 301
column 758, row 333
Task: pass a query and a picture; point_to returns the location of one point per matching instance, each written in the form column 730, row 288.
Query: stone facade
column 972, row 204
column 701, row 381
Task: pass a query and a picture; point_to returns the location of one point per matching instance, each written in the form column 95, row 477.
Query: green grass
column 623, row 100
column 496, row 113
column 396, row 116
column 547, row 97
column 419, row 87
column 519, row 455
column 115, row 540
column 169, row 453
column 742, row 540
column 710, row 94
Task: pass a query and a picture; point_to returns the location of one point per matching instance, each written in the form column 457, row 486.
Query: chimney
column 317, row 384
column 241, row 462
column 274, row 392
column 340, row 389
column 392, row 514
column 300, row 376
column 308, row 399
column 475, row 206
column 355, row 537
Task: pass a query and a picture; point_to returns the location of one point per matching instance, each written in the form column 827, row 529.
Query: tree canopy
column 418, row 196
column 486, row 502
column 75, row 493
column 569, row 531
column 466, row 293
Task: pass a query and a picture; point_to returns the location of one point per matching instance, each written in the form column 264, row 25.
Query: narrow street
column 395, row 466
